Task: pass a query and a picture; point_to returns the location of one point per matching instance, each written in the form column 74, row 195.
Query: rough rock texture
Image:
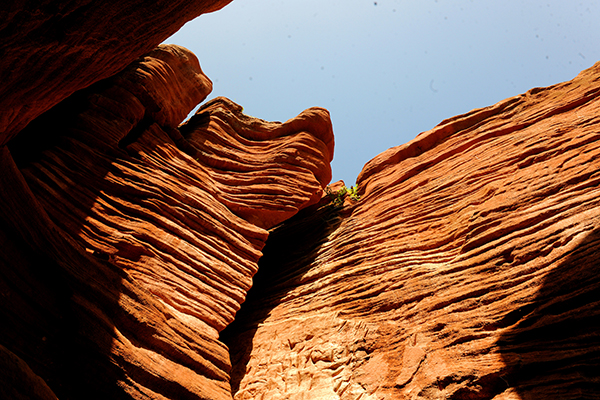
column 128, row 244
column 50, row 49
column 469, row 268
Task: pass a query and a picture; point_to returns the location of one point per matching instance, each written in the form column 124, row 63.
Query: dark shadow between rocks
column 552, row 348
column 288, row 254
column 44, row 320
column 59, row 300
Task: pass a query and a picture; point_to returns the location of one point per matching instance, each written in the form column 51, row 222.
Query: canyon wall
column 468, row 268
column 142, row 256
column 129, row 243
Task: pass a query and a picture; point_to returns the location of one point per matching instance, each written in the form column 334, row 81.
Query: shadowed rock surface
column 50, row 49
column 19, row 381
column 468, row 269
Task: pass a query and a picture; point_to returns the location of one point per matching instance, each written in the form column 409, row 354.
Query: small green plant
column 352, row 191
column 338, row 197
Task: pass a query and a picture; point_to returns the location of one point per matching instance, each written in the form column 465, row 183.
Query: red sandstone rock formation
column 128, row 245
column 50, row 49
column 468, row 269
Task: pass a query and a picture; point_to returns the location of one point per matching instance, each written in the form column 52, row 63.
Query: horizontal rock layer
column 129, row 243
column 51, row 49
column 468, row 269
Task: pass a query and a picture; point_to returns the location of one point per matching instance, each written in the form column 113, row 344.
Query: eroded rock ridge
column 150, row 233
column 468, row 268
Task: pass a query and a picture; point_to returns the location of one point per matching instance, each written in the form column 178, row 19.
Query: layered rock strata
column 50, row 49
column 468, row 269
column 128, row 244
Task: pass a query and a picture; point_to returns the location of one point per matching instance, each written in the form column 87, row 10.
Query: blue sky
column 387, row 69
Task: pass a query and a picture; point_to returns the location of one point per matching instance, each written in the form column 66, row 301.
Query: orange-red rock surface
column 129, row 244
column 468, row 269
column 49, row 49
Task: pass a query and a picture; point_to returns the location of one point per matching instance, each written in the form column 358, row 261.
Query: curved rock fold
column 145, row 258
column 176, row 233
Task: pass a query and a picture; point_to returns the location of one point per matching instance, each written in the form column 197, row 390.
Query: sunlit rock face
column 129, row 244
column 468, row 269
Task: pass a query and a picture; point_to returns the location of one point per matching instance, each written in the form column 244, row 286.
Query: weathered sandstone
column 49, row 49
column 468, row 269
column 129, row 244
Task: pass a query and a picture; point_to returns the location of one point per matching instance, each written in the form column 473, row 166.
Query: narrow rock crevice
column 293, row 244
